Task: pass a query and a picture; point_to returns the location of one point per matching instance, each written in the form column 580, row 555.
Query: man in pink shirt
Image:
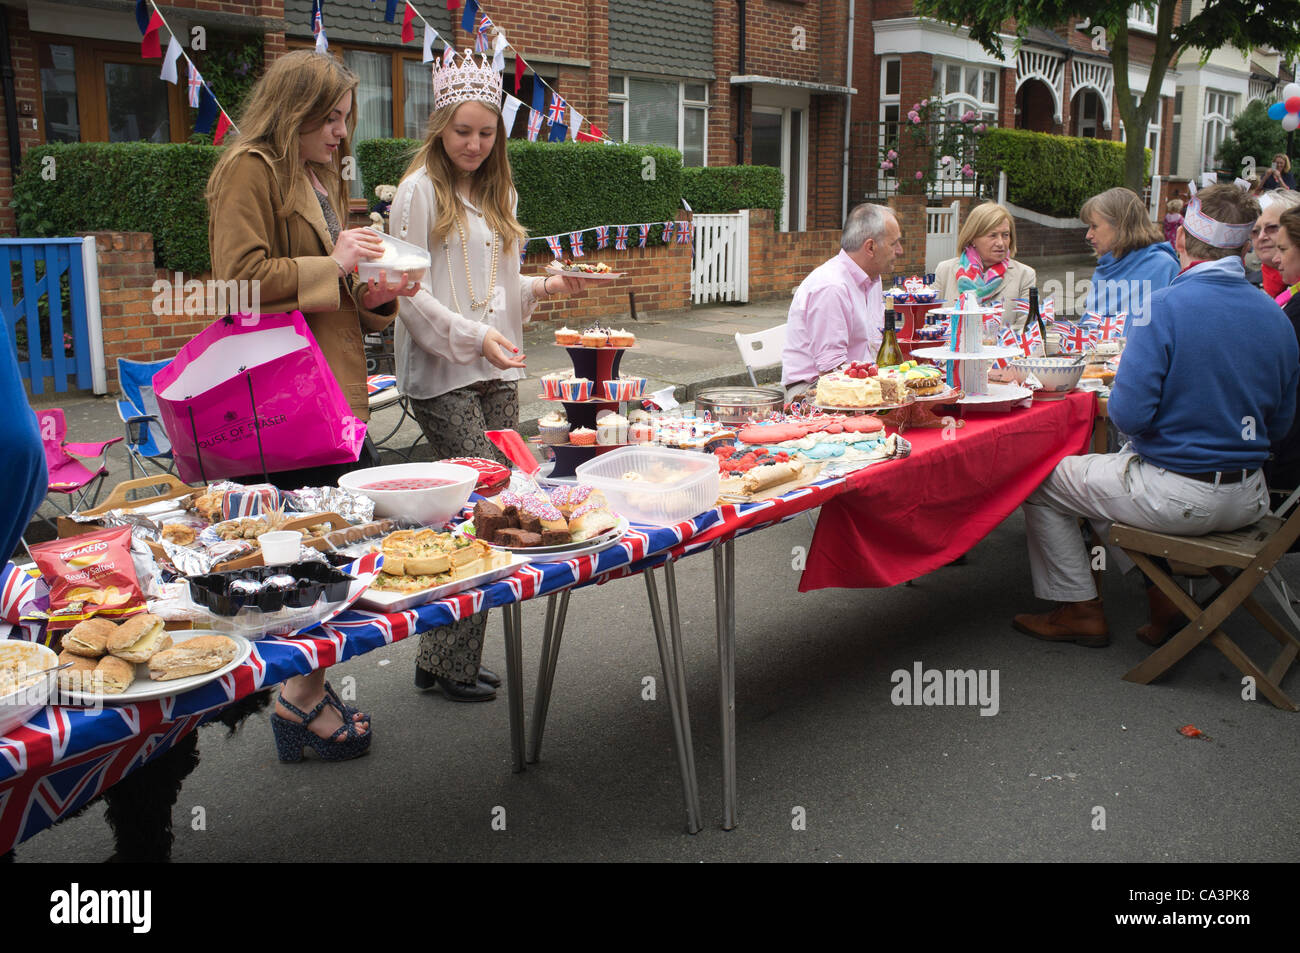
column 838, row 313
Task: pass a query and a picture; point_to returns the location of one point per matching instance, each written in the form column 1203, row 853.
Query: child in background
column 1175, row 218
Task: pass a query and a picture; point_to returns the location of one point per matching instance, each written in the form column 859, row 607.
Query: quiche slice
column 427, row 552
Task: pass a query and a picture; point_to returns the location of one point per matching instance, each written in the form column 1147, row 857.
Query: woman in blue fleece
column 23, row 480
column 1206, row 385
column 1133, row 259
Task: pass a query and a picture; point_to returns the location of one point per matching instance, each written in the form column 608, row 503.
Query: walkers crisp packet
column 90, row 575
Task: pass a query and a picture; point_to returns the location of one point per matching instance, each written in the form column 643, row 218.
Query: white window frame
column 987, row 111
column 1144, row 21
column 683, row 104
column 1216, row 123
column 884, row 177
column 785, row 113
column 1154, row 128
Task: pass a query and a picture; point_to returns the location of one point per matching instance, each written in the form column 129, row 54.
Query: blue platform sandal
column 291, row 737
column 349, row 711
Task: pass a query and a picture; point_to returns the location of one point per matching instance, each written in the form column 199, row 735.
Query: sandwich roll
column 196, row 656
column 138, row 638
column 117, row 675
column 78, row 678
column 771, row 474
column 89, row 638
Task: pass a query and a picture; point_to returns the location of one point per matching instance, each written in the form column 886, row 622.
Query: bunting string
column 199, row 94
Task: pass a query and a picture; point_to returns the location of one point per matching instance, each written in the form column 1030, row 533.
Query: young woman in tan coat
column 276, row 199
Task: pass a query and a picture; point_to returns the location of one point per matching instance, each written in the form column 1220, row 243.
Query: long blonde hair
column 982, row 220
column 491, row 183
column 296, row 94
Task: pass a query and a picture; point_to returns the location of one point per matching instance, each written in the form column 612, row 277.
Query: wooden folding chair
column 1253, row 552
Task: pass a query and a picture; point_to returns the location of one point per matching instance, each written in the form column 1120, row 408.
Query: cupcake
column 638, row 415
column 621, row 338
column 575, row 388
column 551, row 384
column 567, row 336
column 625, row 388
column 582, row 437
column 611, row 429
column 595, row 337
column 641, row 432
column 554, row 428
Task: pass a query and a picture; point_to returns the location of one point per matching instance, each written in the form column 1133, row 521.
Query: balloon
column 1290, row 121
column 1277, row 111
column 1293, row 104
column 1290, row 89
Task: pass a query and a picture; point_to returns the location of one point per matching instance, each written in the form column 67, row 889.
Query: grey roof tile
column 673, row 37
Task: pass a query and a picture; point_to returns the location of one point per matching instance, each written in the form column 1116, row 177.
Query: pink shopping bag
column 249, row 395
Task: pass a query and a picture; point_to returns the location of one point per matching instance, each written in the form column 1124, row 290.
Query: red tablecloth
column 902, row 519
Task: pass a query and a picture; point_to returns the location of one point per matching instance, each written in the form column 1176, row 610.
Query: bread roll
column 196, row 656
column 117, row 674
column 592, row 524
column 138, row 638
column 89, row 638
column 79, row 677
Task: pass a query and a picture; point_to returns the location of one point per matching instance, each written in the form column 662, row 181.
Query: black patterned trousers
column 454, row 423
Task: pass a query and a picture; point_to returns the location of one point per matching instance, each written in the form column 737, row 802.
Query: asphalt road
column 1076, row 765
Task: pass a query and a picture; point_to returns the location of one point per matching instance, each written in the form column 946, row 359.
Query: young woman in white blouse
column 460, row 338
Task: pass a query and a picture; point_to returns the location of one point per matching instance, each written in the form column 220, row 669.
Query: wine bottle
column 890, row 354
column 1035, row 317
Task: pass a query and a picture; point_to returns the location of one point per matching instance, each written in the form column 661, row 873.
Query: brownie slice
column 512, row 516
column 488, row 520
column 556, row 537
column 529, row 523
column 517, row 538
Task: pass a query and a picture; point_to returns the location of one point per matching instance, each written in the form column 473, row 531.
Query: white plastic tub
column 395, row 246
column 673, row 485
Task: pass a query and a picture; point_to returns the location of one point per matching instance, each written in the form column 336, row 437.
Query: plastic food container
column 654, row 485
column 403, row 252
column 24, row 659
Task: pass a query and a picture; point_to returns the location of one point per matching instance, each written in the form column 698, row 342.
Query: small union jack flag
column 482, row 42
column 1008, row 338
column 556, row 112
column 602, row 236
column 575, row 242
column 645, row 233
column 315, row 17
column 1046, row 309
column 668, row 231
column 1075, row 338
column 534, row 124
column 557, row 250
column 1109, row 326
column 1029, row 340
column 196, row 86
column 620, row 238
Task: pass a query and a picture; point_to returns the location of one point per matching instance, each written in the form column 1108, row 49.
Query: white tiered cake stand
column 979, row 358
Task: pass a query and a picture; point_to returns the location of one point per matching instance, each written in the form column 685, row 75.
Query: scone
column 138, row 638
column 117, row 674
column 79, row 677
column 89, row 638
column 203, row 653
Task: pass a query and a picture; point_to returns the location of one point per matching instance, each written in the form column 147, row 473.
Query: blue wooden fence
column 20, row 297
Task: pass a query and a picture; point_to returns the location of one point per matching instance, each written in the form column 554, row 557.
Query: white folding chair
column 761, row 349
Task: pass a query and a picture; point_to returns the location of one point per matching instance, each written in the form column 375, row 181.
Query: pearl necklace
column 475, row 304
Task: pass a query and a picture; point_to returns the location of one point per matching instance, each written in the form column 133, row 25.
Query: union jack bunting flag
column 556, row 113
column 315, row 17
column 668, row 231
column 620, row 238
column 196, row 86
column 645, row 233
column 534, row 124
column 482, row 41
column 575, row 242
column 448, row 55
column 683, row 233
column 557, row 250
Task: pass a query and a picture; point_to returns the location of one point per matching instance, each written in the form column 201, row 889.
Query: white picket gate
column 941, row 226
column 720, row 258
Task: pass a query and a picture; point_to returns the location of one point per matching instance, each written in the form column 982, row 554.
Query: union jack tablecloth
column 65, row 757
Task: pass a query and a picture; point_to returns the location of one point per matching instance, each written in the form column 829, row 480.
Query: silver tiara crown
column 469, row 80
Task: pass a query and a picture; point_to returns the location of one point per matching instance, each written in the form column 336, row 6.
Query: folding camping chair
column 1253, row 552
column 382, row 391
column 761, row 349
column 145, row 438
column 68, row 475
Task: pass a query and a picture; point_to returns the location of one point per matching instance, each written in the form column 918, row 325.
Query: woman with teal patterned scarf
column 986, row 264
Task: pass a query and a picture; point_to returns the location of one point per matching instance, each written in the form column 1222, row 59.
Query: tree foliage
column 1254, row 135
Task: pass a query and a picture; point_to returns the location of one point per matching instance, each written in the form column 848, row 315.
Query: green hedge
column 563, row 186
column 120, row 186
column 717, row 190
column 1054, row 175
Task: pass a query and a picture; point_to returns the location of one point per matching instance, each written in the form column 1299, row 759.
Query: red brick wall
column 910, row 212
column 1040, row 241
column 22, row 51
column 778, row 261
column 722, row 96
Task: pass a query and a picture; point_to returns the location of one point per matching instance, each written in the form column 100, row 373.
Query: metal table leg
column 515, row 681
column 546, row 669
column 724, row 593
column 674, row 684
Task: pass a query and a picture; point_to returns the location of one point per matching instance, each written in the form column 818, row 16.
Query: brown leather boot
column 1165, row 619
column 1083, row 623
